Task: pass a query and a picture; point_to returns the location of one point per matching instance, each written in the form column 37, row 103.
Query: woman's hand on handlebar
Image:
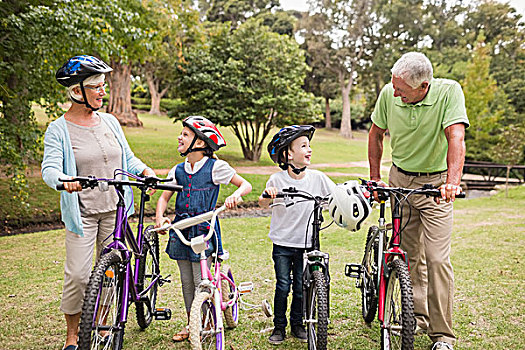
column 161, row 221
column 71, row 187
column 150, row 172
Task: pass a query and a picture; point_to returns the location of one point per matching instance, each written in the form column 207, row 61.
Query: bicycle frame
column 209, row 281
column 123, row 234
column 394, row 250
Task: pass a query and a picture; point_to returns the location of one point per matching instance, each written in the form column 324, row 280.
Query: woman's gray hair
column 92, row 80
column 414, row 68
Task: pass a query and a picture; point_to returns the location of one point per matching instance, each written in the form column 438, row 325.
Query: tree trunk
column 346, row 119
column 328, row 117
column 120, row 94
column 156, row 96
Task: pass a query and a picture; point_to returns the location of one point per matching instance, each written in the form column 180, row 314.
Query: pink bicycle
column 217, row 294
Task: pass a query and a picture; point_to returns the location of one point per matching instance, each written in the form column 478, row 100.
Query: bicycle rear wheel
column 317, row 312
column 231, row 314
column 369, row 276
column 397, row 331
column 100, row 326
column 149, row 269
column 203, row 324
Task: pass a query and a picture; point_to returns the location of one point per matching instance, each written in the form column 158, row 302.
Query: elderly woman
column 80, row 143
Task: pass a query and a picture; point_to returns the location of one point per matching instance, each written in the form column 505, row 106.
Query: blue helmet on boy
column 282, row 140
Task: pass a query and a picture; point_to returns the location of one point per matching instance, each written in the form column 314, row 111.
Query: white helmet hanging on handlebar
column 349, row 205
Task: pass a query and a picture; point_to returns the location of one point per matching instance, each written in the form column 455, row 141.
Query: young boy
column 290, row 149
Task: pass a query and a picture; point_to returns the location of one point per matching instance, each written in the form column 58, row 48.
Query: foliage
column 249, row 79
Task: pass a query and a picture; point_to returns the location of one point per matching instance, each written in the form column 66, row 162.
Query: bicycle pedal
column 162, row 314
column 245, row 287
column 353, row 270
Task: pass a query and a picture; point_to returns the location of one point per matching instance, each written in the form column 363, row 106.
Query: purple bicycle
column 116, row 280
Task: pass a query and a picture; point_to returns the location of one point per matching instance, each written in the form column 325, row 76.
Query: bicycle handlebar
column 292, row 192
column 192, row 221
column 147, row 182
column 427, row 190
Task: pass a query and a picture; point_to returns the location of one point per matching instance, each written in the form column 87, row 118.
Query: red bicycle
column 383, row 275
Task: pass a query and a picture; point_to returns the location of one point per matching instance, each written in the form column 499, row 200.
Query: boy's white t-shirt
column 289, row 224
column 222, row 173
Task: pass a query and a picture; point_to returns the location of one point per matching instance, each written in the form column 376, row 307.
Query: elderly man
column 426, row 118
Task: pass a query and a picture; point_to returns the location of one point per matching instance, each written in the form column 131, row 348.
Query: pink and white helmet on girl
column 206, row 131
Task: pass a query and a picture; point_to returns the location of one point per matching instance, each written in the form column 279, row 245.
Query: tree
column 347, row 27
column 176, row 27
column 480, row 90
column 249, row 79
column 234, row 11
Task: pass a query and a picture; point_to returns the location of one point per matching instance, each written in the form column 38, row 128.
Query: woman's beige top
column 98, row 153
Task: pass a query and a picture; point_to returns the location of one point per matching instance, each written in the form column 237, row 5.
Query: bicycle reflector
column 348, row 205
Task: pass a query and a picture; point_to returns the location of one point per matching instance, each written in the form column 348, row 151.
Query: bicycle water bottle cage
column 198, row 244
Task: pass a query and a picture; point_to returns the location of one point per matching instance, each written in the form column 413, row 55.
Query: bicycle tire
column 102, row 306
column 149, row 269
column 369, row 298
column 203, row 324
column 231, row 313
column 397, row 331
column 317, row 312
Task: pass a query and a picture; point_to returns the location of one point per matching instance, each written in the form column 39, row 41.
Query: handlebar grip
column 279, row 195
column 174, row 188
column 60, row 187
column 461, row 195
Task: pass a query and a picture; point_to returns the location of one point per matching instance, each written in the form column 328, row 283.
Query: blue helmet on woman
column 79, row 68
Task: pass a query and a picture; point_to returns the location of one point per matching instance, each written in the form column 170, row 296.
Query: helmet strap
column 297, row 171
column 85, row 98
column 191, row 149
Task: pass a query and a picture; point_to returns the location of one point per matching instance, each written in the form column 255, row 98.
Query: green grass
column 489, row 309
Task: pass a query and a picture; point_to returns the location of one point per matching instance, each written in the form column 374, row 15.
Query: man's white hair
column 414, row 68
column 92, row 80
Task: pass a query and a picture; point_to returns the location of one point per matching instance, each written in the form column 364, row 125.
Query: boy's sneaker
column 441, row 345
column 299, row 332
column 277, row 336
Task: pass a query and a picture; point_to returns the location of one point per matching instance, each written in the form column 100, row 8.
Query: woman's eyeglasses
column 98, row 89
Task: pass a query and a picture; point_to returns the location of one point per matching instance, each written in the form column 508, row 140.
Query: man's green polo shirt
column 417, row 130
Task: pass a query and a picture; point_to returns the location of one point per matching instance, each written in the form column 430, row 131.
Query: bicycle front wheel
column 100, row 326
column 231, row 314
column 203, row 324
column 148, row 270
column 397, row 331
column 317, row 312
column 369, row 276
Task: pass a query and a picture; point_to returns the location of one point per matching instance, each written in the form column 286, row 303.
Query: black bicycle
column 316, row 276
column 116, row 280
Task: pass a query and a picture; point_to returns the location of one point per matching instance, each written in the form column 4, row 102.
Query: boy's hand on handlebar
column 271, row 191
column 232, row 201
column 448, row 192
column 159, row 222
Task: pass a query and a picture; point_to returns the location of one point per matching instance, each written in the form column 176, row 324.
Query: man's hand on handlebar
column 380, row 183
column 448, row 192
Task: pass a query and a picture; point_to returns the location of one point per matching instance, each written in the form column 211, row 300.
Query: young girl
column 200, row 175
